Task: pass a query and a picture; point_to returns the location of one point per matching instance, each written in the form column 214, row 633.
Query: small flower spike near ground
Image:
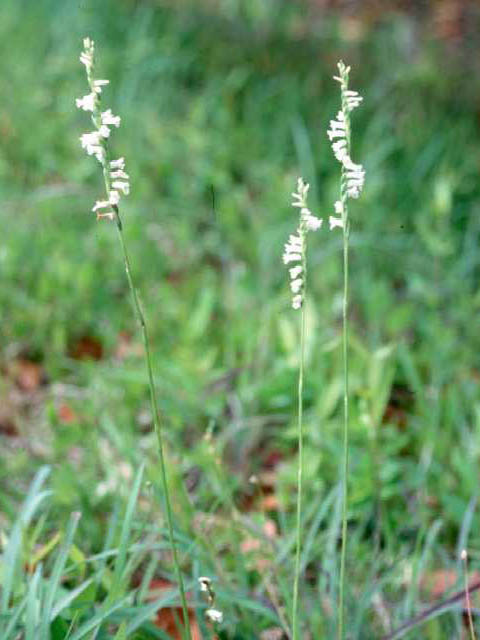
column 117, row 185
column 296, row 253
column 117, row 182
column 351, row 185
column 295, row 248
column 212, row 615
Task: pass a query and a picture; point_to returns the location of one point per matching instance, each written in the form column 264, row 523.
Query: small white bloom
column 109, row 118
column 114, row 197
column 89, row 139
column 86, row 60
column 356, row 175
column 338, row 133
column 352, row 166
column 313, row 223
column 353, row 99
column 214, row 615
column 93, row 147
column 122, row 186
column 104, row 131
column 91, row 142
column 294, row 241
column 339, row 123
column 118, row 164
column 291, row 257
column 335, row 222
column 340, row 150
column 98, row 84
column 337, row 127
column 100, row 204
column 293, row 249
column 204, row 583
column 119, row 174
column 86, row 57
column 343, row 71
column 99, row 153
column 300, row 197
column 296, row 285
column 110, row 215
column 338, row 207
column 355, row 181
column 87, row 103
column 295, row 272
column 297, row 301
column 353, row 192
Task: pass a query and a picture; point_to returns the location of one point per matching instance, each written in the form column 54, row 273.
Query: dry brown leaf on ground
column 8, row 426
column 441, row 582
column 167, row 619
column 170, row 619
column 66, row 415
column 28, row 375
column 270, row 502
column 86, row 348
column 126, row 347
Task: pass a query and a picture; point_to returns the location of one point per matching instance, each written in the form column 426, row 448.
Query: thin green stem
column 156, row 420
column 346, row 233
column 341, row 605
column 300, row 455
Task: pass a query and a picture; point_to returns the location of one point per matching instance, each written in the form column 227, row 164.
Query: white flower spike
column 353, row 175
column 117, row 182
column 295, row 248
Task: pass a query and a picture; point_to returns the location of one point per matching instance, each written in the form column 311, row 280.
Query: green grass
column 221, row 111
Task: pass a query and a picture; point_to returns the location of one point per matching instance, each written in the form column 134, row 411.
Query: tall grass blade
column 58, row 569
column 33, row 605
column 12, row 554
column 11, row 632
column 121, row 560
column 99, row 618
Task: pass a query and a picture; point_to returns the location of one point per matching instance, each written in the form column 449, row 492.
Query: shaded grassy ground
column 220, row 114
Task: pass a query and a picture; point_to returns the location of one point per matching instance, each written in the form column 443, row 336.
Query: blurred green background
column 224, row 104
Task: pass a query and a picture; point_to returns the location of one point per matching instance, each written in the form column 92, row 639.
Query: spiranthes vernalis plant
column 117, row 184
column 213, row 615
column 295, row 254
column 351, row 185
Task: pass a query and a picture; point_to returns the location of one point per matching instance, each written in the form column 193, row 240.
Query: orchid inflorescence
column 295, row 248
column 213, row 615
column 353, row 175
column 95, row 142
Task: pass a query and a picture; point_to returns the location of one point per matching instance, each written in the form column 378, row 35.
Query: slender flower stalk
column 296, row 252
column 117, row 184
column 351, row 185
